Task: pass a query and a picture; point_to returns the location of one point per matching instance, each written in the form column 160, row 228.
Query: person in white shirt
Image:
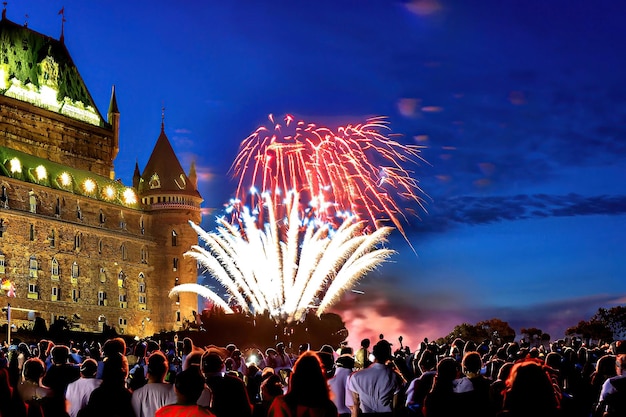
column 612, row 399
column 375, row 389
column 156, row 393
column 343, row 368
column 78, row 392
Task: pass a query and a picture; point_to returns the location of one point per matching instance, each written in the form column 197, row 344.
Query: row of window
column 102, row 299
column 33, row 269
column 32, row 207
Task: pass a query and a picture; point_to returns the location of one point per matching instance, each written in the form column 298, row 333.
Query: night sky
column 521, row 107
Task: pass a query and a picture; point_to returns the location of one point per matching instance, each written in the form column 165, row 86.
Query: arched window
column 123, row 252
column 100, row 246
column 141, row 290
column 78, row 240
column 52, row 238
column 144, row 255
column 102, row 275
column 75, row 270
column 55, row 269
column 32, row 201
column 121, row 277
column 174, row 236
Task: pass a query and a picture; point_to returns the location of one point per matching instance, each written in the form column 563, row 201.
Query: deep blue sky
column 521, row 106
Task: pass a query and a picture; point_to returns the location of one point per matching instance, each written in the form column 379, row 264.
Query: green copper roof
column 39, row 70
column 28, row 168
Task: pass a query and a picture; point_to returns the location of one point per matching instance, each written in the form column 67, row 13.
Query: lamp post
column 9, row 324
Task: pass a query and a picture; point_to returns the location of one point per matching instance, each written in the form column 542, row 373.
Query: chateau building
column 74, row 241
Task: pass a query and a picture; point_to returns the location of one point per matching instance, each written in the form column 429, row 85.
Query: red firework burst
column 355, row 169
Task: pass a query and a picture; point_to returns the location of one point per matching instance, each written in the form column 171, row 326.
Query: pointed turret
column 163, row 180
column 113, row 118
column 193, row 176
column 136, row 176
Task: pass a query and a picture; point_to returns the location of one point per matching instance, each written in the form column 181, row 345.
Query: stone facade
column 73, row 251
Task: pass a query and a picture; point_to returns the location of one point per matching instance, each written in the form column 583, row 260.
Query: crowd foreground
column 166, row 379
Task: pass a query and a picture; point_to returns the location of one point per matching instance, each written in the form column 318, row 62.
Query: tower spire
column 163, row 118
column 62, row 13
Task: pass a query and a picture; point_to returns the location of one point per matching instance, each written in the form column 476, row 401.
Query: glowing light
column 129, row 196
column 89, row 185
column 108, row 192
column 283, row 268
column 41, row 172
column 356, row 167
column 65, row 179
column 15, row 166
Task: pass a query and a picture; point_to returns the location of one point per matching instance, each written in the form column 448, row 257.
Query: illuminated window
column 41, row 173
column 102, row 298
column 55, row 269
column 33, row 291
column 55, row 294
column 103, row 276
column 89, row 186
column 32, row 267
column 32, row 201
column 75, row 270
column 122, row 298
column 155, row 181
column 2, row 263
column 122, row 221
column 121, row 280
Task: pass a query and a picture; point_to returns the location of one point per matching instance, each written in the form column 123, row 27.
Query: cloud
column 416, row 316
column 447, row 213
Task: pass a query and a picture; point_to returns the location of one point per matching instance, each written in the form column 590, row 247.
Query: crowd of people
column 164, row 379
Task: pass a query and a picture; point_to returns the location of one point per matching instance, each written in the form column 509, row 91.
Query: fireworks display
column 354, row 169
column 288, row 266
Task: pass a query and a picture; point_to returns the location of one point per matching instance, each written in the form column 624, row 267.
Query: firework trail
column 355, row 169
column 288, row 266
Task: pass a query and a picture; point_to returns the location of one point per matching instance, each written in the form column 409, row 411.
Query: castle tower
column 172, row 200
column 76, row 243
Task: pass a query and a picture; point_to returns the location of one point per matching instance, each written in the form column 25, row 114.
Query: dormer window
column 155, row 181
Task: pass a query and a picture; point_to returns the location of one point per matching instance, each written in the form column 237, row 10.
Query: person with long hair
column 308, row 393
column 530, row 392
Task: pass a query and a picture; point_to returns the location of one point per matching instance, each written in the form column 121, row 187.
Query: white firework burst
column 287, row 267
